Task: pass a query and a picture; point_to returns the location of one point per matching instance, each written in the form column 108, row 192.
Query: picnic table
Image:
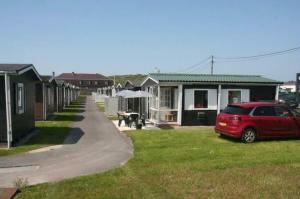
column 129, row 118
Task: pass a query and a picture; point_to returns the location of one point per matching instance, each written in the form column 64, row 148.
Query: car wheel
column 249, row 135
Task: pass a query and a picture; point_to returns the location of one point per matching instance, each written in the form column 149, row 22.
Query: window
column 236, row 110
column 264, row 111
column 165, row 97
column 282, row 112
column 234, row 96
column 96, row 83
column 20, row 98
column 80, row 82
column 201, row 99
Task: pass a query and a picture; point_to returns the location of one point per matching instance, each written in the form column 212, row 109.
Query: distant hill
column 123, row 78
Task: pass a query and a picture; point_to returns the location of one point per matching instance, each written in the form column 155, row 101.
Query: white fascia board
column 31, row 67
column 150, row 79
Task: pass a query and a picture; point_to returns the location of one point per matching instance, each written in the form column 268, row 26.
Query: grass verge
column 190, row 163
column 101, row 108
column 50, row 132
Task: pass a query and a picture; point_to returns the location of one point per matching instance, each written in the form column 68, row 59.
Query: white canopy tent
column 127, row 94
column 124, row 93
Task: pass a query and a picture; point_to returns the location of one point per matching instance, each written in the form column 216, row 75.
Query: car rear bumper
column 231, row 133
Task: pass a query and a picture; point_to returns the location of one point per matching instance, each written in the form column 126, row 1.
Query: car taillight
column 235, row 120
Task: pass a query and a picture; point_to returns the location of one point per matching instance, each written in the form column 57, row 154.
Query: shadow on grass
column 166, row 126
column 75, row 118
column 55, row 136
column 76, row 106
column 73, row 110
column 238, row 140
column 277, row 139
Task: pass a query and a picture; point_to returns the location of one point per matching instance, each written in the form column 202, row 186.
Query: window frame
column 234, row 90
column 253, row 111
column 166, row 97
column 207, row 103
column 290, row 113
column 20, row 98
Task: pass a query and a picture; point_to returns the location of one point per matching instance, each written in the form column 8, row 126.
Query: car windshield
column 286, row 96
column 236, row 110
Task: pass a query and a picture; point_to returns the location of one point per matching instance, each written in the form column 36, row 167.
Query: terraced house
column 196, row 99
column 84, row 81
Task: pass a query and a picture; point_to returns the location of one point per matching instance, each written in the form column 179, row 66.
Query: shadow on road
column 74, row 136
column 56, row 136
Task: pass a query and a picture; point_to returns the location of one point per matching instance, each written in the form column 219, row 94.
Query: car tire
column 249, row 135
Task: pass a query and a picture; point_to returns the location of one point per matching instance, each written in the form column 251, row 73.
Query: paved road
column 93, row 145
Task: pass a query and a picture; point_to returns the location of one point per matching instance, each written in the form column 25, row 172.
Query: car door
column 265, row 121
column 287, row 123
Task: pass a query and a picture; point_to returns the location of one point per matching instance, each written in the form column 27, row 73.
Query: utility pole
column 212, row 65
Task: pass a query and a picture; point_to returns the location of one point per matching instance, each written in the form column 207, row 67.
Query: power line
column 194, row 65
column 213, row 59
column 198, row 69
column 212, row 65
column 261, row 55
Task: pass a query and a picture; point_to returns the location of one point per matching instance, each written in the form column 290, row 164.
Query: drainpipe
column 179, row 105
column 8, row 110
column 158, row 105
column 277, row 92
column 64, row 94
column 44, row 101
column 57, row 99
column 219, row 99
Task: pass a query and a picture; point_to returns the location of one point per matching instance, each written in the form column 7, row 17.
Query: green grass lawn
column 50, row 132
column 189, row 163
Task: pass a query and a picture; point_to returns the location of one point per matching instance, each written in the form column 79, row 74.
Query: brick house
column 86, row 81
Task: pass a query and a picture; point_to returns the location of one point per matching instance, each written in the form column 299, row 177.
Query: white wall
column 111, row 105
column 189, row 99
column 245, row 96
column 291, row 88
column 179, row 106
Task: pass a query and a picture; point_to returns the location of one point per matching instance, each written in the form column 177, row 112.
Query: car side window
column 264, row 111
column 282, row 112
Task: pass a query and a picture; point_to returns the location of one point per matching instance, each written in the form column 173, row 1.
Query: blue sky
column 128, row 37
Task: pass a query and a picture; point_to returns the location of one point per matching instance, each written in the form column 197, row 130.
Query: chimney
column 53, row 74
column 73, row 73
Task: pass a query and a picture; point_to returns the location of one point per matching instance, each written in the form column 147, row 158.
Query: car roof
column 254, row 104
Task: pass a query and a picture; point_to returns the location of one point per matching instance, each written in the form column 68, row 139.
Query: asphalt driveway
column 93, row 145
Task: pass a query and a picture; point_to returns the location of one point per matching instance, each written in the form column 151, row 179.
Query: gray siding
column 23, row 123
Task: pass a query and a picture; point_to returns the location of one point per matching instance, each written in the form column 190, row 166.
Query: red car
column 255, row 120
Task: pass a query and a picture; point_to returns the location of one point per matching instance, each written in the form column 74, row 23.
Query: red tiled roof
column 81, row 76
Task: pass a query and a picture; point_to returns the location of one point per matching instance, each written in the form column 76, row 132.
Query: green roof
column 135, row 79
column 217, row 78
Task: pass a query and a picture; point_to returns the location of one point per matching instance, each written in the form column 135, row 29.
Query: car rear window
column 236, row 110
